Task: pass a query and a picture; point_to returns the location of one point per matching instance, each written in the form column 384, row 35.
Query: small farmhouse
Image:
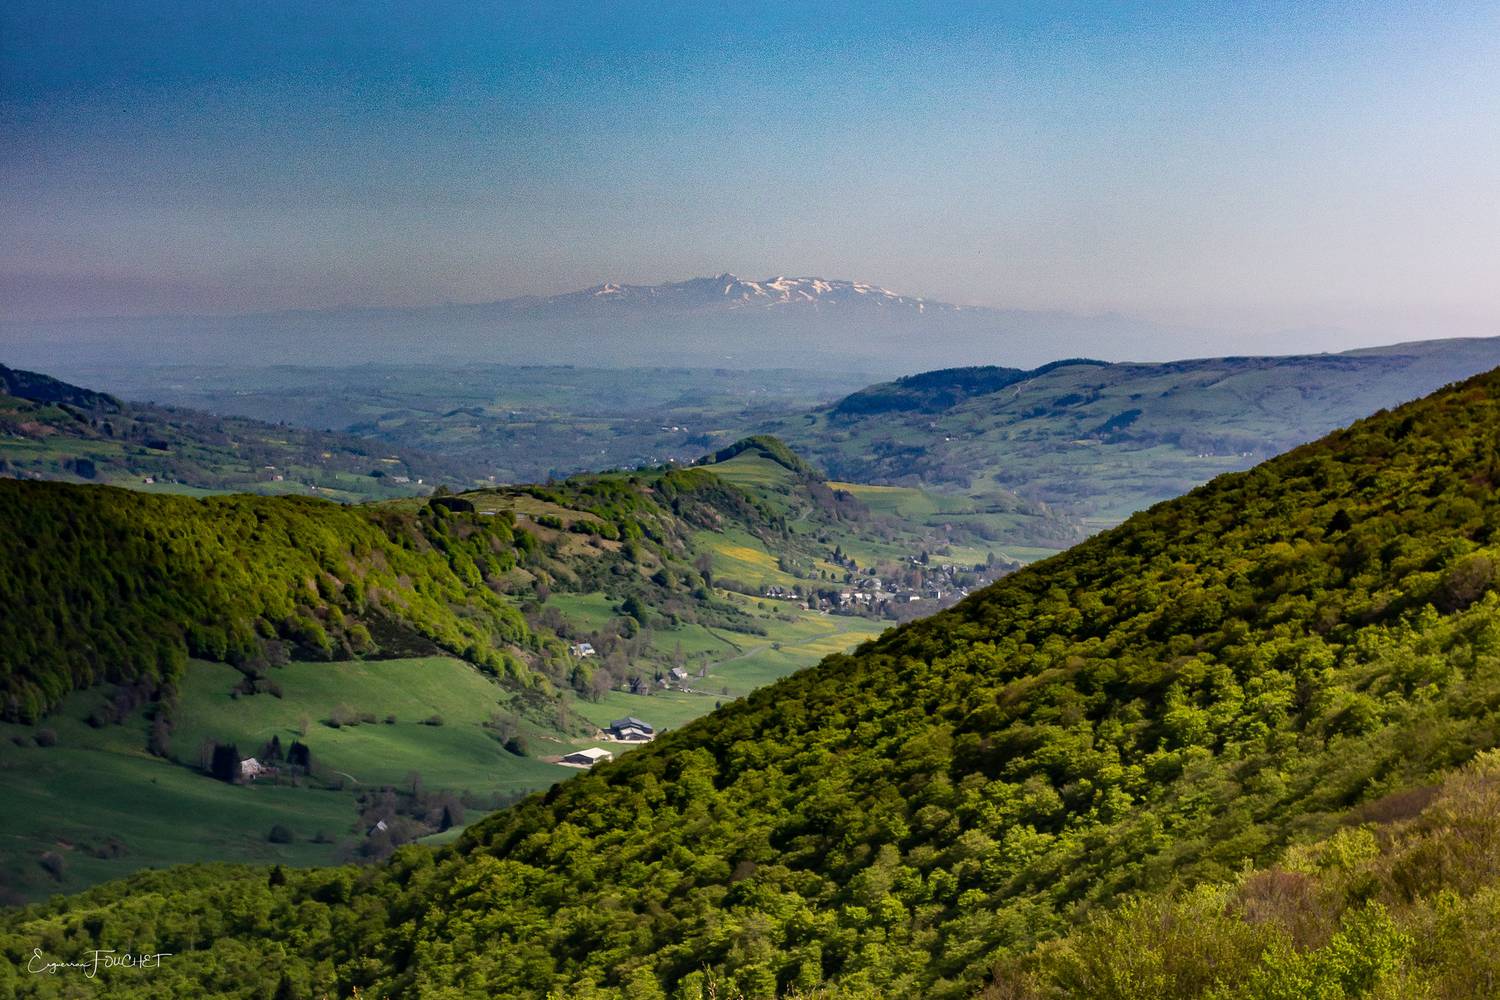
column 581, row 649
column 250, row 769
column 630, row 730
column 587, row 758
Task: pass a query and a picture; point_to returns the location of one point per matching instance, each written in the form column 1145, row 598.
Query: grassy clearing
column 896, row 501
column 752, row 470
column 663, row 709
column 71, row 798
column 740, row 556
column 585, row 611
column 457, row 754
column 787, row 646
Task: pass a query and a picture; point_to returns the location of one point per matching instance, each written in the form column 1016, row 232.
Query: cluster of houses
column 869, row 596
column 866, row 594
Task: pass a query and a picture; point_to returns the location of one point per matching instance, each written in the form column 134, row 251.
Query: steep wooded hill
column 109, row 585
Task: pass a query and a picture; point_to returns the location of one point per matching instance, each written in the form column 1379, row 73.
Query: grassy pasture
column 97, row 783
column 94, row 784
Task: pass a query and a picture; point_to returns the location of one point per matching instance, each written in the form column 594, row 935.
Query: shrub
column 53, row 864
column 1466, row 581
column 280, row 835
column 343, row 715
column 46, row 737
column 433, row 720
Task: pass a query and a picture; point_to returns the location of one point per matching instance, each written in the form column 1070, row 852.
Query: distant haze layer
column 711, row 322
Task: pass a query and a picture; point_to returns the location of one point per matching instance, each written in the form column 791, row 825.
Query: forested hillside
column 1220, row 677
column 109, row 585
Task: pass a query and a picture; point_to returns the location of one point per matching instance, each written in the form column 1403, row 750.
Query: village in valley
column 893, row 590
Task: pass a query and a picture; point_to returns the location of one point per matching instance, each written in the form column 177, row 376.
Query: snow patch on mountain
column 729, row 291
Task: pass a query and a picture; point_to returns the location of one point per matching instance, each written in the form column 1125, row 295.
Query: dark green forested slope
column 103, row 584
column 1221, row 676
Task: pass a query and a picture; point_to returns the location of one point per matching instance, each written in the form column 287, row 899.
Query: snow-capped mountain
column 728, row 292
column 722, row 321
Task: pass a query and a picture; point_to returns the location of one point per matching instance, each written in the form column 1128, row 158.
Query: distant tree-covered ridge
column 1102, row 441
column 1222, row 676
column 52, row 430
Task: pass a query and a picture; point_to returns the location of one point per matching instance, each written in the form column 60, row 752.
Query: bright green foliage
column 102, row 584
column 1218, row 678
column 1339, row 919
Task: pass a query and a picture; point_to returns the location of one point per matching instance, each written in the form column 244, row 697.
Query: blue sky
column 1239, row 166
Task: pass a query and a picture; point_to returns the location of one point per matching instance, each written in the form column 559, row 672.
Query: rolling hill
column 50, row 429
column 520, row 424
column 1282, row 660
column 1100, row 441
column 1092, row 442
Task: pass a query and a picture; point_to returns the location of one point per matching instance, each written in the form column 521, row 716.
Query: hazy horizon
column 1319, row 177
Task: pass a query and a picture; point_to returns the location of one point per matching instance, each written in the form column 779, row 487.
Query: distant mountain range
column 723, row 292
column 711, row 322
